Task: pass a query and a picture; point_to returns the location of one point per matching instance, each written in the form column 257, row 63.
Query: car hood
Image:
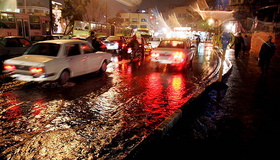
column 33, row 59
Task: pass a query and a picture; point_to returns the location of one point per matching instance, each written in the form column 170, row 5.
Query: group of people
column 266, row 52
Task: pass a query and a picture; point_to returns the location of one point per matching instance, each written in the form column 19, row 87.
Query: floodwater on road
column 96, row 116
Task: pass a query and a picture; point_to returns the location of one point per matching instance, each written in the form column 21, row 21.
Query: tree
column 72, row 11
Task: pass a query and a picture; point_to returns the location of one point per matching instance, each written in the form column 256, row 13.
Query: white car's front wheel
column 64, row 77
column 103, row 67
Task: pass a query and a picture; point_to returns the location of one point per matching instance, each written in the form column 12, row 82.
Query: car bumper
column 162, row 61
column 30, row 78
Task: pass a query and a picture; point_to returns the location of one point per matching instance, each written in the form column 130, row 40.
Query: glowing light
column 9, row 67
column 36, row 70
column 210, row 21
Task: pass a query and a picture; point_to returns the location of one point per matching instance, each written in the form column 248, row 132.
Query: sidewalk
column 238, row 122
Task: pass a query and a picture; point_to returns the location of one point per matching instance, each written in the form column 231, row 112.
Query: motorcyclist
column 134, row 43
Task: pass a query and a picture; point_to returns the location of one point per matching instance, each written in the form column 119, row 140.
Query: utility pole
column 51, row 18
column 25, row 9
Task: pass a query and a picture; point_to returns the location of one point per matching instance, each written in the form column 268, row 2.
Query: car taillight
column 178, row 56
column 36, row 69
column 9, row 67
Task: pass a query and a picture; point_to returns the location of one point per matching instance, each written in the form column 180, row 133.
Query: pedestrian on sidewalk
column 238, row 44
column 246, row 44
column 266, row 53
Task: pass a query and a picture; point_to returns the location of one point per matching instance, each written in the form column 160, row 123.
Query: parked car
column 15, row 44
column 115, row 43
column 173, row 52
column 12, row 46
column 57, row 60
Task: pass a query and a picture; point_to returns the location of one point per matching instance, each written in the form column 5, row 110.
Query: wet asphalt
column 97, row 116
column 239, row 120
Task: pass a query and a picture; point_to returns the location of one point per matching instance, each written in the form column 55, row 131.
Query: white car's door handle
column 68, row 59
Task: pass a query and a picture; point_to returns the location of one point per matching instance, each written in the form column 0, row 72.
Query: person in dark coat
column 266, row 53
column 94, row 41
column 238, row 44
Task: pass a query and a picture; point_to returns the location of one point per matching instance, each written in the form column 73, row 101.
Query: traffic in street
column 98, row 115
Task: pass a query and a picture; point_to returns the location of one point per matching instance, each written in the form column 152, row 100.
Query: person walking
column 93, row 41
column 238, row 43
column 246, row 44
column 266, row 53
column 91, row 37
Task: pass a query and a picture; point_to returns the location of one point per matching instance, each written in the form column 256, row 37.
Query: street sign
column 224, row 40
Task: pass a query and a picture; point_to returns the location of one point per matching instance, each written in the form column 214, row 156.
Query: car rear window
column 171, row 44
column 46, row 49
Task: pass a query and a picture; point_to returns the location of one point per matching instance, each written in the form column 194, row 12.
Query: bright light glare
column 9, row 67
column 36, row 70
column 210, row 21
column 228, row 26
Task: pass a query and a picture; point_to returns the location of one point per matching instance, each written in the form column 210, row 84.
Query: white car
column 57, row 60
column 115, row 43
column 174, row 52
column 154, row 42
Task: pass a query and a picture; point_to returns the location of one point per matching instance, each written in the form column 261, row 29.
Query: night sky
column 160, row 4
column 114, row 6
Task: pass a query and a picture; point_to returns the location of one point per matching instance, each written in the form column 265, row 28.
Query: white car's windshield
column 46, row 49
column 171, row 44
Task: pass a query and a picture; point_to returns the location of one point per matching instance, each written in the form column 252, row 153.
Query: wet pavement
column 97, row 116
column 239, row 121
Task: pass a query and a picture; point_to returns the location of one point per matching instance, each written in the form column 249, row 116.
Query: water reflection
column 176, row 90
column 100, row 117
column 12, row 110
column 164, row 93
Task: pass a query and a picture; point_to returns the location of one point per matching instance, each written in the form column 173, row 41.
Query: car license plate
column 23, row 77
column 165, row 61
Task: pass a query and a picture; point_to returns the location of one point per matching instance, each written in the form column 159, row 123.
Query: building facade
column 135, row 20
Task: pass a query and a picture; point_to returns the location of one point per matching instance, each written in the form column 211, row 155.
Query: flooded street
column 96, row 116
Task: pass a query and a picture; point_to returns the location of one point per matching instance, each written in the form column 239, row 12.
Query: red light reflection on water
column 14, row 109
column 13, row 113
column 176, row 90
column 38, row 107
column 163, row 96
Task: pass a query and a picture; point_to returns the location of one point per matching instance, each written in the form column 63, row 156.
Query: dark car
column 12, row 46
column 115, row 43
